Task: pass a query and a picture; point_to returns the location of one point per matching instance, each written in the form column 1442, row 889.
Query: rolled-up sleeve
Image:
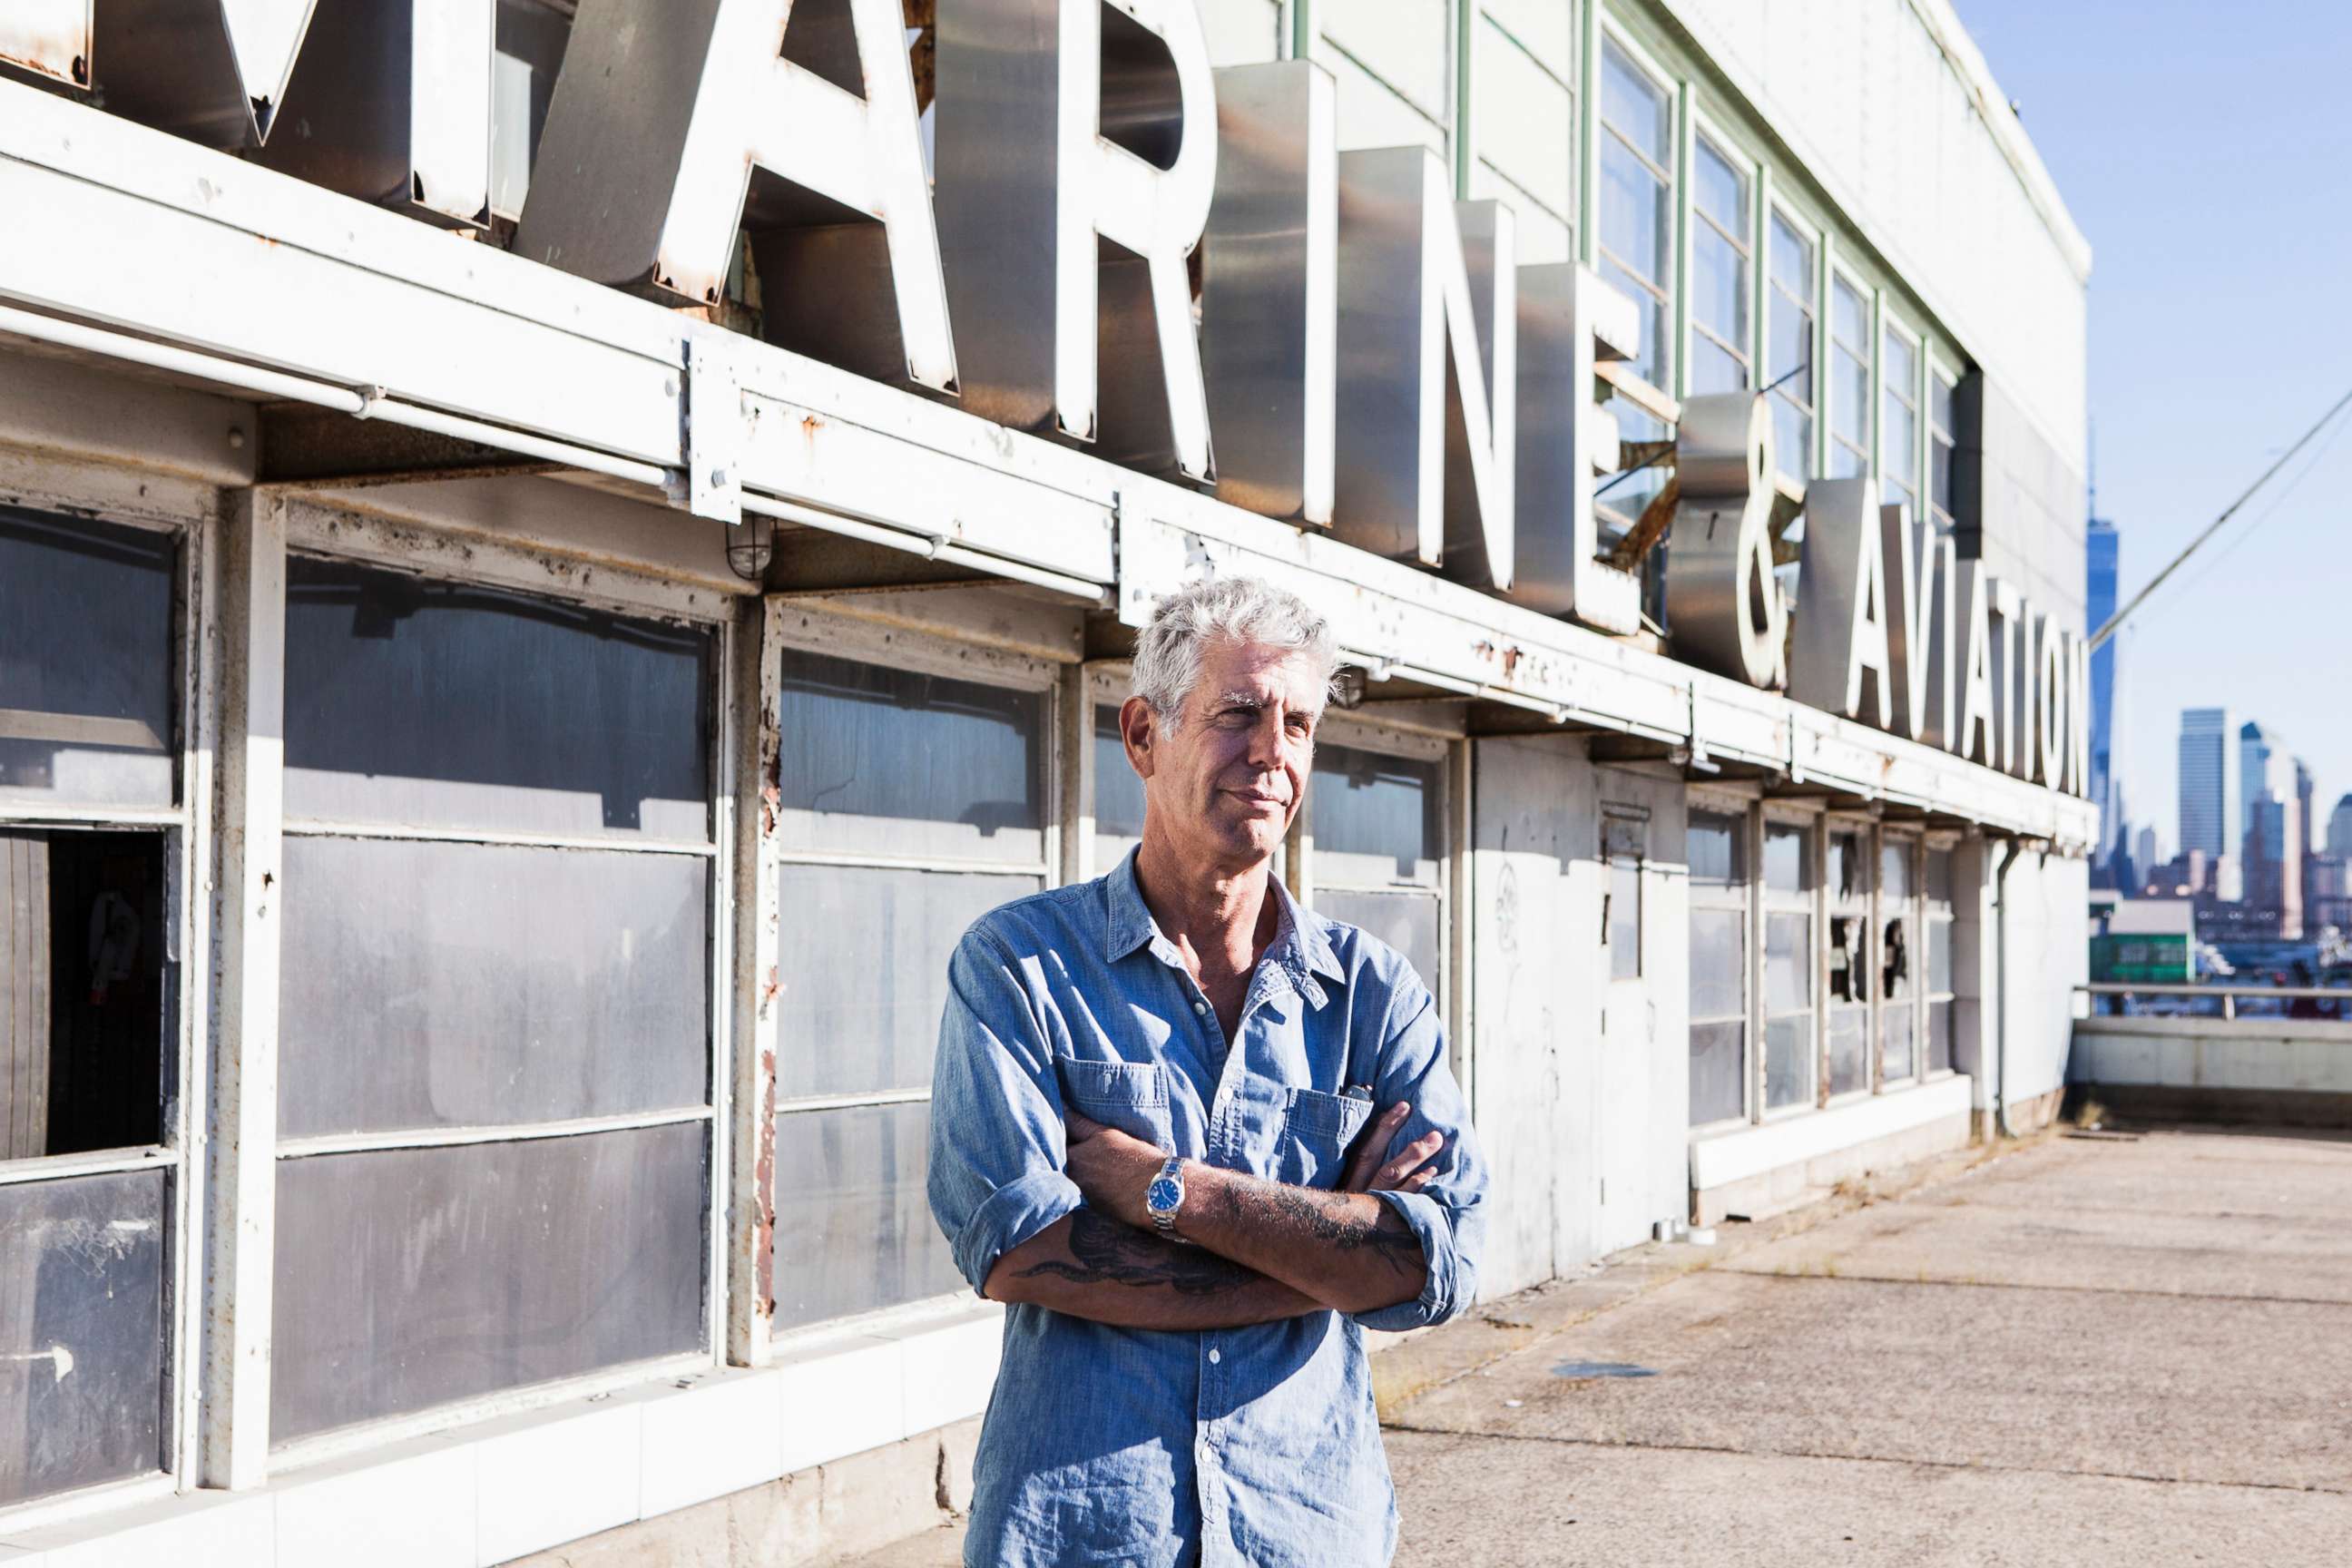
column 1448, row 1215
column 997, row 1149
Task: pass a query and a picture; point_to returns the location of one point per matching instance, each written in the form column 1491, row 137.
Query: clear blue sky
column 2207, row 152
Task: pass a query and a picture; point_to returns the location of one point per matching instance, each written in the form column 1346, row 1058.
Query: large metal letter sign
column 1063, row 125
column 1721, row 596
column 1269, row 305
column 666, row 108
column 47, row 38
column 1840, row 661
column 1569, row 320
column 2049, row 702
column 1408, row 314
column 2012, row 693
column 1919, row 629
column 1157, row 214
column 1979, row 737
column 392, row 103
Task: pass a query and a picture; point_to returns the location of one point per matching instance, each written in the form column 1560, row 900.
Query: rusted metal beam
column 1650, row 527
column 303, row 445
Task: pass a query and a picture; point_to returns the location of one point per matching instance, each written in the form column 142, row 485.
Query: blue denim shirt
column 1252, row 1446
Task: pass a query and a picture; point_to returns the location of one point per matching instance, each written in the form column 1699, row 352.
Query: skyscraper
column 2339, row 830
column 2211, row 822
column 2305, row 789
column 2101, row 548
column 2145, row 848
column 2263, row 769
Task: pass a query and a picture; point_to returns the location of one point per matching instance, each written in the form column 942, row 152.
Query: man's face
column 1224, row 786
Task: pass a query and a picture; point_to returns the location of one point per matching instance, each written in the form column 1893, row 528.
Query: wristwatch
column 1166, row 1196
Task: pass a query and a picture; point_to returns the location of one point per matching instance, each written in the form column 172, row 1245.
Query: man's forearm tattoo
column 1108, row 1252
column 1389, row 1237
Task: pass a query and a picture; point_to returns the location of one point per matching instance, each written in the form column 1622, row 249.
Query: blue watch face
column 1165, row 1194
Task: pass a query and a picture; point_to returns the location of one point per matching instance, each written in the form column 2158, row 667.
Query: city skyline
column 2241, row 624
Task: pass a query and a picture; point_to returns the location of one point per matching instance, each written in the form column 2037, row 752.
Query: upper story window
column 1849, row 380
column 1941, row 391
column 1788, row 347
column 1898, row 466
column 1637, row 198
column 1721, row 258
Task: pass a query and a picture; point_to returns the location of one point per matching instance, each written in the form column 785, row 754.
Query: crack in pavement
column 1843, row 1277
column 1859, row 1459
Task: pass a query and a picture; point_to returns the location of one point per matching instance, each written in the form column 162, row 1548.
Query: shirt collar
column 1302, row 940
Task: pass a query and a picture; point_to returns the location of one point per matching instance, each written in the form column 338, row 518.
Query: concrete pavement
column 2127, row 1350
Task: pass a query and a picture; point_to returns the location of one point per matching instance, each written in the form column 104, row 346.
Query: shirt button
column 1215, row 1356
column 1201, row 1008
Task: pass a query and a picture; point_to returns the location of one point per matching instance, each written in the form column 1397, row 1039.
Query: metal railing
column 2227, row 996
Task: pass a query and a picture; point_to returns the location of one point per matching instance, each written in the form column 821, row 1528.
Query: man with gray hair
column 1199, row 1139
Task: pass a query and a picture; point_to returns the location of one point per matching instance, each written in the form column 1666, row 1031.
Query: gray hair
column 1242, row 609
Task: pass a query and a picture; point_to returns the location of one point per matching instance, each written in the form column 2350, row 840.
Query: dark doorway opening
column 85, row 993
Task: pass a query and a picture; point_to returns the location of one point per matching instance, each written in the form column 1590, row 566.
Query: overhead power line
column 2117, row 619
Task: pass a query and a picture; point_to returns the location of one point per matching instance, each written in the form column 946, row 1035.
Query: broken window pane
column 436, row 705
column 431, row 984
column 862, row 966
column 412, row 1277
column 85, row 992
column 81, row 1331
column 854, row 1228
column 87, row 670
column 897, row 762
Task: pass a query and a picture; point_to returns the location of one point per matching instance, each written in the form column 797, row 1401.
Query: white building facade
column 533, row 611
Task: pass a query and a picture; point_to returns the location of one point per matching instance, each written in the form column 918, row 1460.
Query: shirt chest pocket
column 1317, row 1134
column 1129, row 1095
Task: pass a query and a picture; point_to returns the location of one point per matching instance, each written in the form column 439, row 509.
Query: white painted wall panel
column 1864, row 94
column 1408, row 44
column 1542, row 236
column 1536, row 931
column 2049, row 952
column 1544, row 28
column 1242, row 32
column 1372, row 114
column 1521, row 120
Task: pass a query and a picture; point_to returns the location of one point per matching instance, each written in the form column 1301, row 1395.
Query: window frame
column 1866, row 908
column 1883, row 912
column 1866, row 454
column 187, row 516
column 320, row 532
column 1941, row 515
column 1666, row 292
column 1742, row 898
column 1814, row 904
column 1810, row 236
column 1705, row 133
column 1912, row 399
column 847, row 638
column 1306, row 873
column 1932, row 844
